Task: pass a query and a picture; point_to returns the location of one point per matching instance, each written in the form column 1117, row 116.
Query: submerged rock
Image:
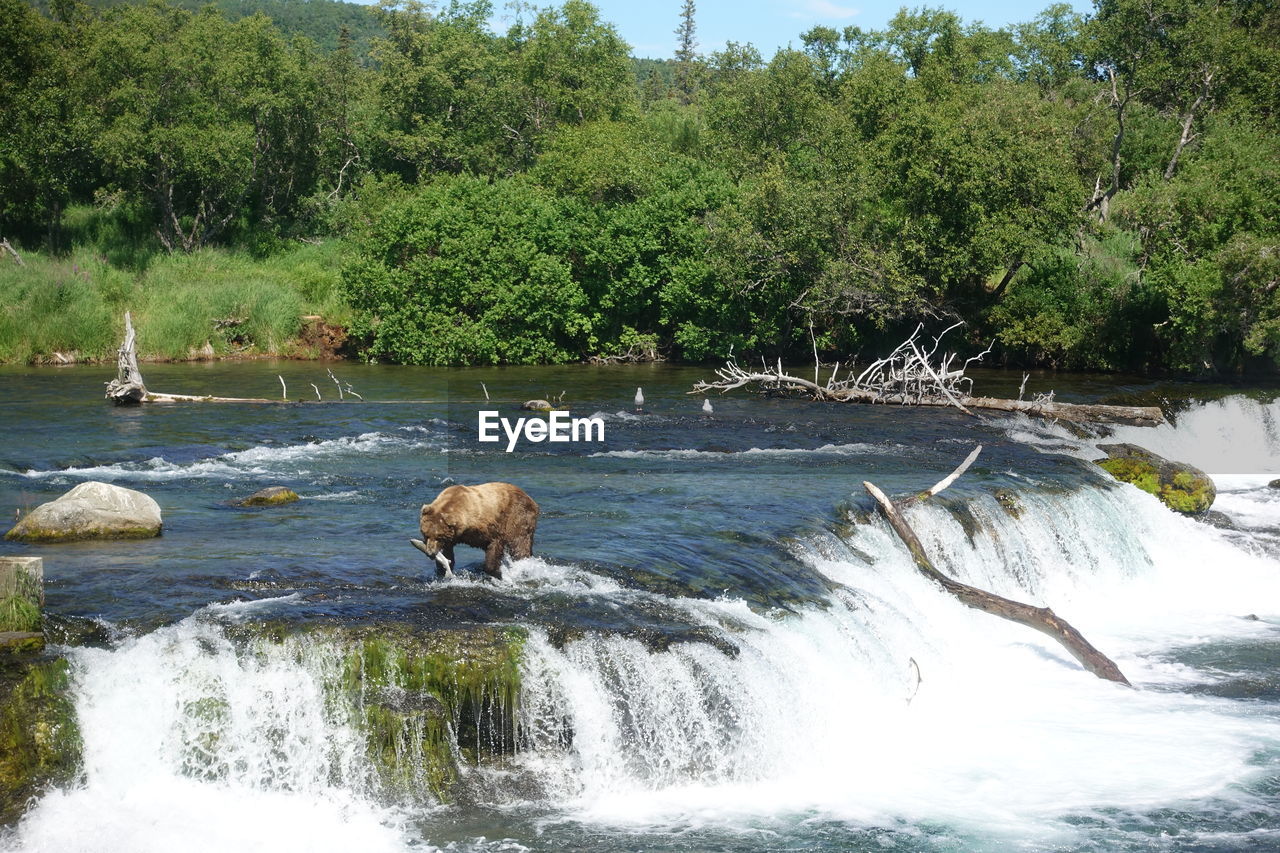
column 1009, row 502
column 1183, row 488
column 91, row 511
column 1221, row 520
column 270, row 496
column 39, row 740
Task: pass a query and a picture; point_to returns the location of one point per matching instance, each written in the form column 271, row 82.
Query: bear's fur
column 497, row 517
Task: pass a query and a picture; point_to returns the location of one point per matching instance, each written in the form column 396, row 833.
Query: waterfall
column 897, row 703
column 191, row 745
column 891, row 705
column 1234, row 435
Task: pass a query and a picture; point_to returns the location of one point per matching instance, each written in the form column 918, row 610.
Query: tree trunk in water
column 1075, row 412
column 127, row 388
column 1041, row 618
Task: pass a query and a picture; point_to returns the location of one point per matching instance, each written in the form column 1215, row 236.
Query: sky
column 649, row 27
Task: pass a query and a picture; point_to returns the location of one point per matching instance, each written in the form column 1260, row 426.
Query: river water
column 816, row 693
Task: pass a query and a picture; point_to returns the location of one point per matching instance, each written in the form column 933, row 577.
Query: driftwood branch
column 914, row 376
column 1042, row 619
column 944, row 482
column 12, row 252
column 128, row 387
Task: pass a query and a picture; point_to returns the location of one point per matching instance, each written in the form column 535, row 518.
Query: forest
column 1096, row 192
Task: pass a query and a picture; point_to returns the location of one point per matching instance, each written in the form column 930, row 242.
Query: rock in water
column 91, row 511
column 270, row 496
column 1181, row 487
column 536, row 406
column 1274, row 484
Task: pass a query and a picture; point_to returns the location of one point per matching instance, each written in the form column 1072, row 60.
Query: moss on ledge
column 39, row 737
column 1181, row 487
column 430, row 701
column 37, row 533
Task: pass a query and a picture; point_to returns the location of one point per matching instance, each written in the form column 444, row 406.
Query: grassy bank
column 213, row 302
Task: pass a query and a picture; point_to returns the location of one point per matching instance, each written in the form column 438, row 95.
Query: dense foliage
column 1097, row 191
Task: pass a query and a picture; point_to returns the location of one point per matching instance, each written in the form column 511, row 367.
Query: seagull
column 706, row 406
column 639, row 399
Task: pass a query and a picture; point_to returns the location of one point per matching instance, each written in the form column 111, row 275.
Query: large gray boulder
column 91, row 511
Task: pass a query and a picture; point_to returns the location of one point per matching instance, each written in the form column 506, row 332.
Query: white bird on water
column 639, row 398
column 706, row 406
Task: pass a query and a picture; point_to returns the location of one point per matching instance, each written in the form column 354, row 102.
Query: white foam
column 288, row 460
column 1005, row 734
column 191, row 746
column 855, row 449
column 1234, row 435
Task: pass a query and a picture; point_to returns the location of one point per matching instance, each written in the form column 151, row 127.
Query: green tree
column 687, row 53
column 208, row 123
column 639, row 212
column 1050, row 50
column 45, row 132
column 468, row 271
column 1210, row 238
column 755, row 114
column 573, row 68
column 444, row 91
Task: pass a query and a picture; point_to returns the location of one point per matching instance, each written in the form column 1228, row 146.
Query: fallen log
column 1077, row 412
column 128, row 388
column 1074, row 412
column 1042, row 619
column 914, row 376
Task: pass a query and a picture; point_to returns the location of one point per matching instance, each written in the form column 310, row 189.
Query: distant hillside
column 654, row 77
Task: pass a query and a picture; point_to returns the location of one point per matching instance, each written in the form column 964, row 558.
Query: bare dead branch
column 1043, row 619
column 914, row 376
column 945, row 481
column 12, row 252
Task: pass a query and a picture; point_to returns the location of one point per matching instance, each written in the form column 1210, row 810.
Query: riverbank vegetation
column 1098, row 191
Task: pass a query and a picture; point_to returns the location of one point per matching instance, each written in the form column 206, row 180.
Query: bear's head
column 436, row 528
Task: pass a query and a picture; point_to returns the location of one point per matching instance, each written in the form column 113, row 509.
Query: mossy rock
column 270, row 496
column 430, row 701
column 1009, row 502
column 1183, row 488
column 39, row 738
column 21, row 642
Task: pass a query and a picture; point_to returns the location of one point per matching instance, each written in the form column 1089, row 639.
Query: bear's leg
column 493, row 559
column 522, row 547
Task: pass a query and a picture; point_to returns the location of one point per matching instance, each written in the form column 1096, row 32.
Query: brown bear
column 498, row 517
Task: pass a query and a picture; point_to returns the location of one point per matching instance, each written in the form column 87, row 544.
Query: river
column 745, row 657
